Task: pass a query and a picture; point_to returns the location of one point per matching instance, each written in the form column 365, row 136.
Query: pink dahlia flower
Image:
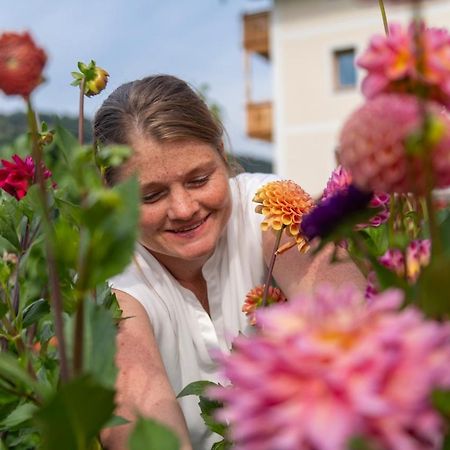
column 373, row 145
column 17, row 176
column 341, row 179
column 328, row 367
column 391, row 62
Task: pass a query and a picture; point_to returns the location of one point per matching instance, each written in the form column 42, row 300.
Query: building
column 312, row 45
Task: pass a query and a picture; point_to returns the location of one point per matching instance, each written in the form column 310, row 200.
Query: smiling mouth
column 191, row 227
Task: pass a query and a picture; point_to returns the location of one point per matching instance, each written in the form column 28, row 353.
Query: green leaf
column 113, row 234
column 150, row 435
column 196, row 388
column 441, row 400
column 75, row 415
column 11, row 370
column 7, row 225
column 115, row 421
column 3, row 310
column 222, row 445
column 432, row 287
column 208, row 408
column 35, row 311
column 100, row 344
column 65, row 141
column 20, row 415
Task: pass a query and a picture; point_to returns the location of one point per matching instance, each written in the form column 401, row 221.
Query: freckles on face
column 186, row 198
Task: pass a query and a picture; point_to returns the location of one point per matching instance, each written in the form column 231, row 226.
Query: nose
column 182, row 205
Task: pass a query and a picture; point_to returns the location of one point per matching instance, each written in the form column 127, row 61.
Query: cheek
column 150, row 218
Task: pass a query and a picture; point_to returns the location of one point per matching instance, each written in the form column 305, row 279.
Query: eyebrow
column 196, row 170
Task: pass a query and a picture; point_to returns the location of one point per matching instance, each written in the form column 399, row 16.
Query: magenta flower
column 17, row 176
column 391, row 62
column 417, row 253
column 341, row 179
column 373, row 145
column 327, row 367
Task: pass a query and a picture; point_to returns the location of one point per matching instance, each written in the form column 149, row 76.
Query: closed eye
column 200, row 181
column 153, row 197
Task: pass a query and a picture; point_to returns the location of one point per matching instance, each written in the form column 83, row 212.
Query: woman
column 200, row 251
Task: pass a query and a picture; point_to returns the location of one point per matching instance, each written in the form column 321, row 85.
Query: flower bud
column 97, row 83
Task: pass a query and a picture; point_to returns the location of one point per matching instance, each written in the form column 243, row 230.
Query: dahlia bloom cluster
column 254, row 300
column 17, row 176
column 21, row 64
column 393, row 66
column 341, row 179
column 380, row 146
column 283, row 203
column 329, row 367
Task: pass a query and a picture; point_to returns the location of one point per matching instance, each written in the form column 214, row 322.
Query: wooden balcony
column 259, row 120
column 256, row 33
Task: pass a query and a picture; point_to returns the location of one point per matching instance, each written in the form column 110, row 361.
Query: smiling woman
column 200, row 252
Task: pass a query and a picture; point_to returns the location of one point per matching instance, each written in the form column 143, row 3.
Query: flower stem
column 81, row 113
column 384, row 16
column 271, row 265
column 80, row 287
column 55, row 291
column 24, row 243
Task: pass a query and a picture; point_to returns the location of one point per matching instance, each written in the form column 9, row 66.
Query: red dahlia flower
column 16, row 177
column 21, row 64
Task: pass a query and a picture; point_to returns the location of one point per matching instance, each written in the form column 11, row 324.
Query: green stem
column 81, row 270
column 55, row 291
column 384, row 16
column 270, row 268
column 81, row 113
column 435, row 235
column 24, row 243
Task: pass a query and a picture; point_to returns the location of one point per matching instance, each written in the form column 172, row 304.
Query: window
column 344, row 68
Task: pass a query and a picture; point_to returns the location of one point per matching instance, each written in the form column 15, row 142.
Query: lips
column 189, row 227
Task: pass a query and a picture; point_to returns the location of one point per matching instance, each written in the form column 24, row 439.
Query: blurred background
column 281, row 73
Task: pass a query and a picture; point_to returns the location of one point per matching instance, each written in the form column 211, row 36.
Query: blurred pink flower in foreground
column 328, row 367
column 340, row 180
column 373, row 145
column 391, row 62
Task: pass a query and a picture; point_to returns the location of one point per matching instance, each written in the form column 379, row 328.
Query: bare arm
column 142, row 384
column 296, row 273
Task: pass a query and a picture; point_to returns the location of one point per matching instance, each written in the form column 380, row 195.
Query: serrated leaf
column 150, row 435
column 195, row 388
column 20, row 415
column 35, row 311
column 75, row 415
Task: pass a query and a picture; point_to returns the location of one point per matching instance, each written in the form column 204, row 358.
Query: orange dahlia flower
column 254, row 298
column 21, row 64
column 283, row 204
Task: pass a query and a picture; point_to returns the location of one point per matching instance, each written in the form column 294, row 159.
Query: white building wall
column 308, row 110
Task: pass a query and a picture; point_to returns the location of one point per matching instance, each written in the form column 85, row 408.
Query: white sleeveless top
column 184, row 332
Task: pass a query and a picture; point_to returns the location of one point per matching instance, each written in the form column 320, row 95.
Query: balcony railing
column 256, row 33
column 259, row 120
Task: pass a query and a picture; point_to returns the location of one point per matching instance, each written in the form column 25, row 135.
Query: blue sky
column 197, row 40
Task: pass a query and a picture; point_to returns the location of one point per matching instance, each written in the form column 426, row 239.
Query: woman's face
column 186, row 200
